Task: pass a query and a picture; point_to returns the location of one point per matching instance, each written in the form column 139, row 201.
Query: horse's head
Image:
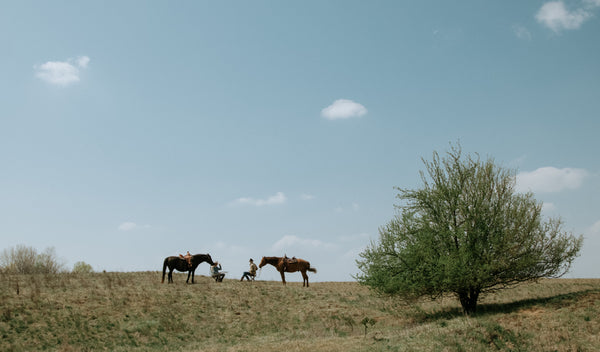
column 263, row 262
column 199, row 258
column 209, row 259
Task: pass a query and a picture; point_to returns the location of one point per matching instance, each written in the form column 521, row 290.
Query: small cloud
column 130, row 226
column 343, row 109
column 550, row 179
column 342, row 209
column 278, row 198
column 307, row 197
column 557, row 17
column 61, row 73
column 521, row 32
column 594, row 229
column 83, row 61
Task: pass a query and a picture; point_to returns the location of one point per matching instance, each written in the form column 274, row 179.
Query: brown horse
column 174, row 262
column 290, row 267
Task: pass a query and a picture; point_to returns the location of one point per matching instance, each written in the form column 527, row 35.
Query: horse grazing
column 290, row 267
column 175, row 262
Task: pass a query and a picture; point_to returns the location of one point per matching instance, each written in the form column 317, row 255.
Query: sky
column 132, row 131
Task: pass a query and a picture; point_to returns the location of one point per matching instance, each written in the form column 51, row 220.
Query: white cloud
column 278, row 198
column 290, row 242
column 83, row 61
column 127, row 226
column 61, row 73
column 343, row 109
column 521, row 32
column 307, row 197
column 354, row 207
column 557, row 17
column 550, row 179
column 594, row 229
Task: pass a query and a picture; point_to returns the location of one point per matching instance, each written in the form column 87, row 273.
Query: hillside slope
column 135, row 312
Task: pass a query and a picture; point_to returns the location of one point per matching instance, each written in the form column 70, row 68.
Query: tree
column 82, row 268
column 466, row 232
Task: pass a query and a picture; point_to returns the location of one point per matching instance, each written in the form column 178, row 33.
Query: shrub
column 26, row 260
column 82, row 268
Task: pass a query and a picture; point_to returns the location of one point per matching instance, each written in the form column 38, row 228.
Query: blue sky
column 130, row 131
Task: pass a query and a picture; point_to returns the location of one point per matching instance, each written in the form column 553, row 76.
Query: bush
column 26, row 260
column 82, row 268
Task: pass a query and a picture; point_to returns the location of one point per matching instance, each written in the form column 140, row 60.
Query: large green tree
column 466, row 231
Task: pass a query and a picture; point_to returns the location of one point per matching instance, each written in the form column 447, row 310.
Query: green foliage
column 26, row 260
column 467, row 232
column 82, row 268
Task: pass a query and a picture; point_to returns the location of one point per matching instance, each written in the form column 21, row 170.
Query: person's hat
column 251, row 260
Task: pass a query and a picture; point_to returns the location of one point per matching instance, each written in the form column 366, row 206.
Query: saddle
column 287, row 261
column 188, row 262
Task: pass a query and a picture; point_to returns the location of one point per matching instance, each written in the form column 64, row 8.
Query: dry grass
column 135, row 312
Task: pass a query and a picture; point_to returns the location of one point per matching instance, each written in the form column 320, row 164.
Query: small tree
column 465, row 232
column 82, row 268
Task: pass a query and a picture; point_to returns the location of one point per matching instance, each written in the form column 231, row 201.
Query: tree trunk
column 468, row 300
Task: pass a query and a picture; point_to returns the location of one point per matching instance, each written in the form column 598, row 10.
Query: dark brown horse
column 290, row 267
column 174, row 262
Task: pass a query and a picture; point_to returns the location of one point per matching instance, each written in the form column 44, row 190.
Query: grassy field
column 135, row 312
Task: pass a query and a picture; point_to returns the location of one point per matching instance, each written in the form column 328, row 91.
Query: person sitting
column 188, row 258
column 250, row 274
column 214, row 272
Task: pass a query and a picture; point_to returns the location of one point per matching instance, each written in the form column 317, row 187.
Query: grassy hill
column 135, row 312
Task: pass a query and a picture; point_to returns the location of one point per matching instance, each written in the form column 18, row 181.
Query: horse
column 290, row 267
column 175, row 262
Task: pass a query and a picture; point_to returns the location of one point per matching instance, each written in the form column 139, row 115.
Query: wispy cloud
column 521, row 32
column 343, row 109
column 594, row 229
column 556, row 16
column 307, row 196
column 61, row 73
column 278, row 198
column 550, row 179
column 353, row 207
column 130, row 226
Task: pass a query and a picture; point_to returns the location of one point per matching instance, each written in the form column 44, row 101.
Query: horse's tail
column 312, row 270
column 164, row 270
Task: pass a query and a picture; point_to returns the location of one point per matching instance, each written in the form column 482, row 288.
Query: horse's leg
column 188, row 278
column 282, row 277
column 170, row 276
column 193, row 272
column 304, row 278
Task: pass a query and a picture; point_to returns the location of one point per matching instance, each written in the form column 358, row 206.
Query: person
column 188, row 258
column 214, row 272
column 251, row 273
